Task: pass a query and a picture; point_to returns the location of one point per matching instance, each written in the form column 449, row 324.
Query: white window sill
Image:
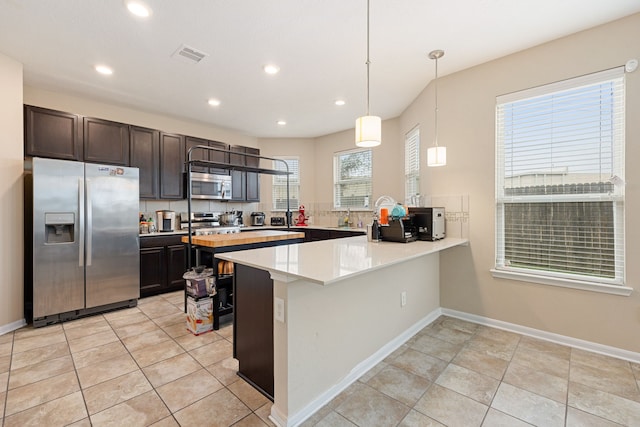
column 565, row 283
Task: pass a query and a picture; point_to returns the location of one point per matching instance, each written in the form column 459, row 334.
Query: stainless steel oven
column 209, row 186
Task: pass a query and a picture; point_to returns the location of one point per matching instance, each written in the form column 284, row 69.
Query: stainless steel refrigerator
column 81, row 239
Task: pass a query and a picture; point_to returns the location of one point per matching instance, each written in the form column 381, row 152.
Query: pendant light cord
column 368, row 61
column 436, row 89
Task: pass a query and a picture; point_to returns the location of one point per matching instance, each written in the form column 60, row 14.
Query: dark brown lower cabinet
column 253, row 327
column 163, row 261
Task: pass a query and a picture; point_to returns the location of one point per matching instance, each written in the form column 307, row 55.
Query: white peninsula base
column 343, row 312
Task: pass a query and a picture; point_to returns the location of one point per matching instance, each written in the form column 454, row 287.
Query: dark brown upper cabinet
column 197, row 153
column 145, row 155
column 238, row 178
column 253, row 178
column 210, row 155
column 106, row 142
column 51, row 133
column 245, row 186
column 219, row 157
column 171, row 166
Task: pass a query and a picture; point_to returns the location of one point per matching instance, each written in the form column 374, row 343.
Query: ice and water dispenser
column 59, row 227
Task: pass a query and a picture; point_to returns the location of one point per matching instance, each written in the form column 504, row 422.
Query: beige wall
column 388, row 177
column 466, row 112
column 316, row 166
column 11, row 195
column 304, row 149
column 88, row 107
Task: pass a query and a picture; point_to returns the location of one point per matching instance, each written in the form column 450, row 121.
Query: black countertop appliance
column 399, row 230
column 429, row 222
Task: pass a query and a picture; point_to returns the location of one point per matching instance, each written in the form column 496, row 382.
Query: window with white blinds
column 352, row 179
column 279, row 184
column 560, row 180
column 412, row 163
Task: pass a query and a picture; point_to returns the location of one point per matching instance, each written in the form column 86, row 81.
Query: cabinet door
column 237, row 159
column 253, row 178
column 53, row 134
column 145, row 155
column 238, row 186
column 252, row 161
column 238, row 178
column 106, row 142
column 317, row 235
column 253, row 187
column 253, row 326
column 218, row 156
column 171, row 166
column 176, row 265
column 198, row 153
column 152, row 270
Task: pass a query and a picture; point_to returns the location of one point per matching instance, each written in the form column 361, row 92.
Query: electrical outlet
column 403, row 298
column 278, row 309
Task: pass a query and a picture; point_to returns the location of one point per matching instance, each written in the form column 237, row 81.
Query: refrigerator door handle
column 89, row 222
column 81, row 221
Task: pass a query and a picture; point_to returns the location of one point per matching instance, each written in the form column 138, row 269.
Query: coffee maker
column 239, row 221
column 166, row 220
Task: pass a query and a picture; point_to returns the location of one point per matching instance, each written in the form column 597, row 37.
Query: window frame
column 336, row 181
column 616, row 285
column 294, row 183
column 412, row 168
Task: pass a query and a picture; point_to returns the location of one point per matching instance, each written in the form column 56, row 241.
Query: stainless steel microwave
column 209, row 186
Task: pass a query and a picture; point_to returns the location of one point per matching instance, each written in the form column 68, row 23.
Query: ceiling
column 319, row 45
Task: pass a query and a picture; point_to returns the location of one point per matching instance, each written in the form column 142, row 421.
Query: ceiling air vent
column 189, row 53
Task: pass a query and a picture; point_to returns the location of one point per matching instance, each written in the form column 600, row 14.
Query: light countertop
column 330, row 261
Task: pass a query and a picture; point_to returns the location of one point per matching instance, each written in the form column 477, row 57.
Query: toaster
column 277, row 220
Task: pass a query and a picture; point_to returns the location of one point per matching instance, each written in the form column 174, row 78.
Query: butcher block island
column 244, row 238
column 208, row 247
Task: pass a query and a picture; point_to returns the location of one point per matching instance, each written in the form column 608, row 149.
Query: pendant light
column 436, row 155
column 368, row 128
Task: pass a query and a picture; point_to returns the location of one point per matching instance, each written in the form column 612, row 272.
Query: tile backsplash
column 321, row 214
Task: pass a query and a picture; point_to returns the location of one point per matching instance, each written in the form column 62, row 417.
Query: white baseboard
column 546, row 336
column 297, row 418
column 4, row 329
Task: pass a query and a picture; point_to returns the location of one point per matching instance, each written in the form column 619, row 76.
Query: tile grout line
column 6, row 388
column 75, row 370
column 224, row 386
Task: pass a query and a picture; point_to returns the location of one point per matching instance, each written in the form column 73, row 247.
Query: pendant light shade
column 436, row 155
column 368, row 131
column 368, row 128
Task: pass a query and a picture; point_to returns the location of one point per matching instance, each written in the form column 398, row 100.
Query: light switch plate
column 278, row 309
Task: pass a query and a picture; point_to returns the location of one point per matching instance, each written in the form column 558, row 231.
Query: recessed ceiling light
column 271, row 69
column 103, row 69
column 138, row 9
column 340, row 102
column 214, row 102
column 281, row 122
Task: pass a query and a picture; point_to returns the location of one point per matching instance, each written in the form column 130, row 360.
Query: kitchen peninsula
column 341, row 306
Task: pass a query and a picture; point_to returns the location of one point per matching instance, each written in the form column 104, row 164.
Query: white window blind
column 352, row 178
column 559, row 175
column 279, row 184
column 412, row 163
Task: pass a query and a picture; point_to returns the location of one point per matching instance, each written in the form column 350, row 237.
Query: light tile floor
column 141, row 367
